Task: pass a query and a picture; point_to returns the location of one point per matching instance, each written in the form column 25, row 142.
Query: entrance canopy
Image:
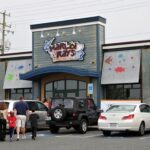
column 41, row 72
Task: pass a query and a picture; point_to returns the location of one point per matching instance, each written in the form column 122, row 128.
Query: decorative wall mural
column 14, row 68
column 121, row 67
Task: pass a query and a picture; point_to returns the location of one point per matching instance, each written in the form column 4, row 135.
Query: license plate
column 113, row 124
column 48, row 118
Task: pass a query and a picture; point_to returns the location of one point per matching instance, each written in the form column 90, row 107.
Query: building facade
column 67, row 58
column 71, row 59
column 126, row 71
column 11, row 65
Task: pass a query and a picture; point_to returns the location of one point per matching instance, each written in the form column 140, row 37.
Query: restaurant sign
column 64, row 51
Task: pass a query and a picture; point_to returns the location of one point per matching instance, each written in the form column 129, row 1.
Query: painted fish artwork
column 121, row 67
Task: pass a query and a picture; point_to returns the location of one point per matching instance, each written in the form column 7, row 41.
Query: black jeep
column 72, row 112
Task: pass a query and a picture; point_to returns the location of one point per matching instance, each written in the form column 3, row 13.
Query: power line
column 106, row 10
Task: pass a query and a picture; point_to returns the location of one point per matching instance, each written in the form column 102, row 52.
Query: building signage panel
column 64, row 51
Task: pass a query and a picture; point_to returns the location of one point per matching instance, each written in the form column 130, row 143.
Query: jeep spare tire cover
column 58, row 113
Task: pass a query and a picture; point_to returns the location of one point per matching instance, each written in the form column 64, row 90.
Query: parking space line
column 78, row 136
column 147, row 137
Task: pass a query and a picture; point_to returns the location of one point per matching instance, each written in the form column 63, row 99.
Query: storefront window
column 82, row 85
column 71, row 84
column 66, row 88
column 59, row 85
column 16, row 93
column 129, row 91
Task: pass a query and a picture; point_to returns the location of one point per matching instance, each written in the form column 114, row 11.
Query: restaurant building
column 71, row 59
column 67, row 58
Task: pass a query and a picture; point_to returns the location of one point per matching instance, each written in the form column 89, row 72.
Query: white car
column 39, row 107
column 125, row 117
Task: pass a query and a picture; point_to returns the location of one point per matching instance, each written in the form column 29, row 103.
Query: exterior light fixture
column 79, row 30
column 57, row 33
column 48, row 34
column 42, row 34
column 63, row 33
column 73, row 31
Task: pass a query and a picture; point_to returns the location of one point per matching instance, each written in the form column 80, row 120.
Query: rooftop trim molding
column 16, row 55
column 68, row 22
column 126, row 44
column 39, row 73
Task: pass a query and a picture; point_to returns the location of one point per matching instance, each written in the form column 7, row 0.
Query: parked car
column 125, row 117
column 78, row 113
column 39, row 107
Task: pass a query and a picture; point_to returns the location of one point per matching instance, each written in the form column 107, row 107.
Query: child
column 34, row 123
column 2, row 127
column 12, row 124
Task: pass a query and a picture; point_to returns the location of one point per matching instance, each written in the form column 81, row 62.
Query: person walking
column 33, row 118
column 2, row 127
column 46, row 102
column 21, row 110
column 12, row 124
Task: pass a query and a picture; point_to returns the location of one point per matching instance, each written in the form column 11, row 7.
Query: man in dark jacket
column 34, row 123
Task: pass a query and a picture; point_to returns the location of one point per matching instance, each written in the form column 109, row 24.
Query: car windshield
column 66, row 103
column 121, row 108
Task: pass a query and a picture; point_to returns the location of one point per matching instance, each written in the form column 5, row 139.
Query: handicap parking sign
column 90, row 88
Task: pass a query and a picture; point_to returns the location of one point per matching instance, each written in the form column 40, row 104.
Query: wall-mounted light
column 42, row 35
column 63, row 33
column 48, row 34
column 57, row 33
column 79, row 30
column 73, row 31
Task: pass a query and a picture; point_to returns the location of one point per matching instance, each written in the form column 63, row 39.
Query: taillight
column 102, row 117
column 131, row 116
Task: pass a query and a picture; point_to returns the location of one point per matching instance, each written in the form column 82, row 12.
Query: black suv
column 72, row 112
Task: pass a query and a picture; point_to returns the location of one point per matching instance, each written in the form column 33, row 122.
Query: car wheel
column 142, row 129
column 83, row 126
column 106, row 133
column 54, row 129
column 58, row 114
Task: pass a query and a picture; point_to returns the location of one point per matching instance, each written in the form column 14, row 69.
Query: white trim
column 126, row 45
column 67, row 26
column 15, row 56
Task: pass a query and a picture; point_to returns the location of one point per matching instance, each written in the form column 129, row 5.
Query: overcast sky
column 127, row 20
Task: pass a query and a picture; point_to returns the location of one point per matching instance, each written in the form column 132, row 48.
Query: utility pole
column 4, row 29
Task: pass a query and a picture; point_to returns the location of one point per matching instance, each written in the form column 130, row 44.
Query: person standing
column 46, row 102
column 21, row 110
column 34, row 123
column 2, row 127
column 12, row 124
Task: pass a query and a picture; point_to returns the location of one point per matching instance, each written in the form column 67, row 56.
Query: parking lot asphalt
column 71, row 140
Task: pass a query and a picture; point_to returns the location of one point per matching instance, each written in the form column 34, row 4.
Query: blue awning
column 41, row 72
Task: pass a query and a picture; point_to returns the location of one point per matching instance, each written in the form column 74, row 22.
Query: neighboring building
column 11, row 65
column 126, row 71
